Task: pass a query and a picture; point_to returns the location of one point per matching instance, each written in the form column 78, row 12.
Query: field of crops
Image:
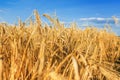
column 42, row 52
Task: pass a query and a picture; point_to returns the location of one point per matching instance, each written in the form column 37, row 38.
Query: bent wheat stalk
column 0, row 67
column 75, row 66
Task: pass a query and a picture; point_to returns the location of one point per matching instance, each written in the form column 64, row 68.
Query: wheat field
column 42, row 52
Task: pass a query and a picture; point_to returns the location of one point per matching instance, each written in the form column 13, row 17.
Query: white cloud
column 98, row 20
column 95, row 18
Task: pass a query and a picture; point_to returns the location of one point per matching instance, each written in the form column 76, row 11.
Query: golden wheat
column 41, row 52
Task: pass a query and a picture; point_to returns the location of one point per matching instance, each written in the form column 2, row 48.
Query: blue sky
column 84, row 12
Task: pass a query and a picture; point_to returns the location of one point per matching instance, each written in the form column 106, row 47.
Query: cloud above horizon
column 98, row 20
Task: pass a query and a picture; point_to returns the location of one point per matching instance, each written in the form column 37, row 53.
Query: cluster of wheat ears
column 40, row 52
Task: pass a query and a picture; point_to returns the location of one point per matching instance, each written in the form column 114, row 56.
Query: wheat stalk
column 1, row 58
